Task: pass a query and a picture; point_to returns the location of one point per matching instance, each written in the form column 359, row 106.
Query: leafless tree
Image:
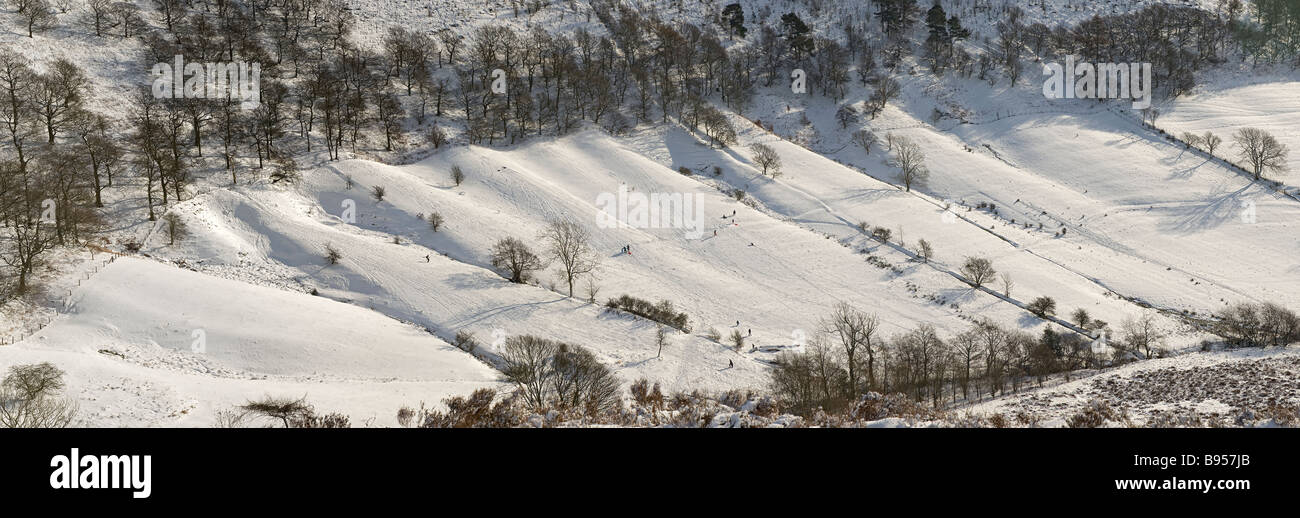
column 99, row 15
column 924, row 250
column 389, row 115
column 30, row 398
column 968, row 348
column 911, row 160
column 661, row 339
column 38, row 17
column 855, row 332
column 1261, row 150
column 766, row 158
column 175, row 227
column 1211, row 141
column 1140, row 334
column 437, row 136
column 60, row 96
column 864, row 138
column 570, row 245
column 592, row 288
column 978, row 270
column 513, row 256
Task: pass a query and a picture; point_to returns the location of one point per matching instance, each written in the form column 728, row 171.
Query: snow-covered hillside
column 1073, row 200
column 150, row 344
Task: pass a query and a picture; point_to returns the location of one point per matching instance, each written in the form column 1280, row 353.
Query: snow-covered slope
column 149, row 344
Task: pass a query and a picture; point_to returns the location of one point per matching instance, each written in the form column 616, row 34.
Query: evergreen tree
column 797, row 33
column 734, row 16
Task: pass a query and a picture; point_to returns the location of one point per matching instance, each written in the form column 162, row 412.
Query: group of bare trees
column 552, row 374
column 55, row 158
column 1257, row 325
column 567, row 245
column 851, row 356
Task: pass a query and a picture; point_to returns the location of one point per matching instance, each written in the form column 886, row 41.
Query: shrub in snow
column 663, row 312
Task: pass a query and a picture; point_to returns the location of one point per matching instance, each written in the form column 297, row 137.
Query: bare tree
column 968, row 348
column 855, row 331
column 593, row 289
column 38, row 17
column 887, row 88
column 1081, row 317
column 29, row 398
column 924, row 250
column 978, row 270
column 513, row 256
column 864, row 138
column 766, row 158
column 568, row 376
column 527, row 363
column 435, row 220
column 99, row 14
column 127, row 16
column 1211, row 141
column 389, row 115
column 911, row 160
column 1140, row 334
column 717, row 127
column 661, row 339
column 1263, row 152
column 60, row 96
column 457, row 175
column 569, row 244
column 1007, row 284
column 437, row 136
column 175, row 227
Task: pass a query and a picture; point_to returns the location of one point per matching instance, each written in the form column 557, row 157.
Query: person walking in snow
column 731, row 364
column 751, row 332
column 426, row 258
